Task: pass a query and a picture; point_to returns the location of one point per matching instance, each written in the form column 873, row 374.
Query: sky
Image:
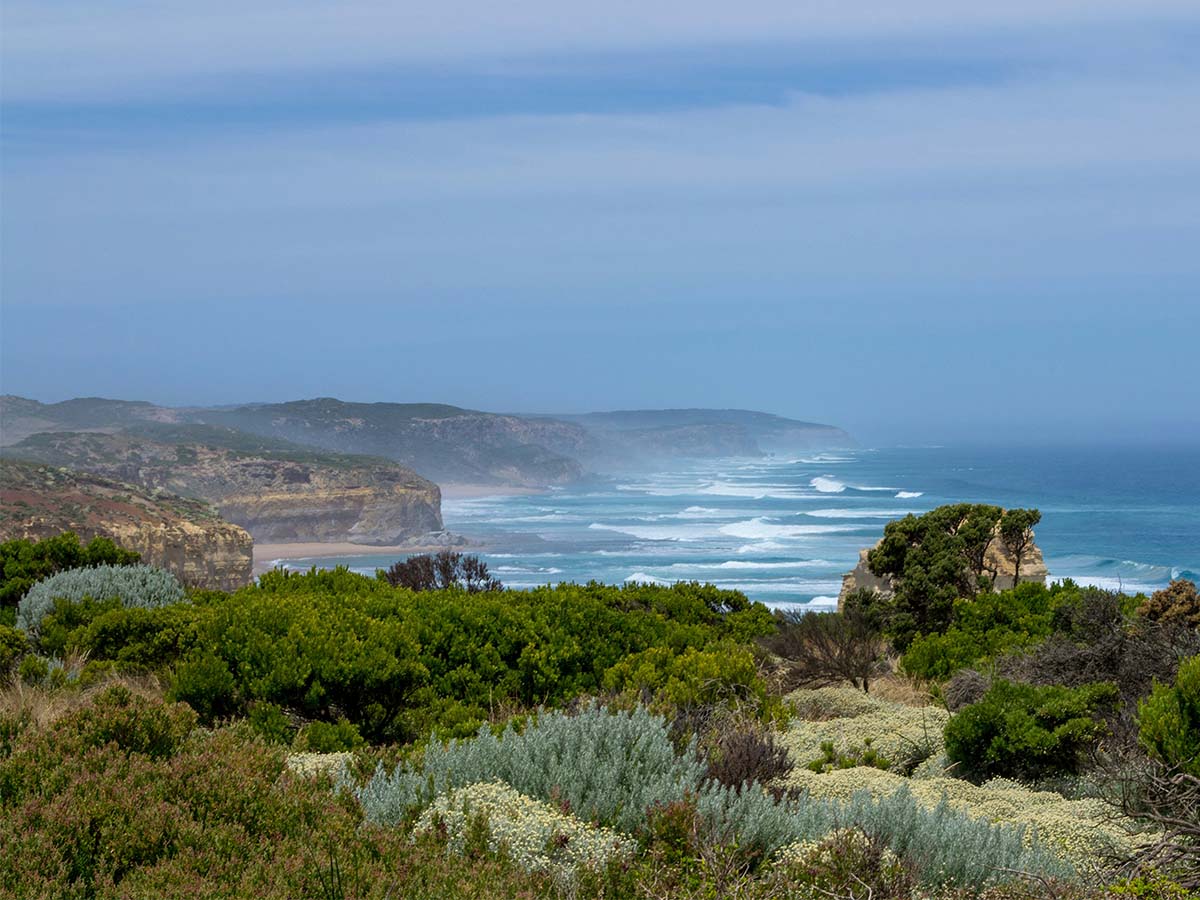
column 928, row 221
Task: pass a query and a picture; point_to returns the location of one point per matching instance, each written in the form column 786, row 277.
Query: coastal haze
column 927, row 223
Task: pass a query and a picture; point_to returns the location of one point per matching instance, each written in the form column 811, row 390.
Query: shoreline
column 266, row 555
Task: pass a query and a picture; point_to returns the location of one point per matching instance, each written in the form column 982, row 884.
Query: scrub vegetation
column 326, row 734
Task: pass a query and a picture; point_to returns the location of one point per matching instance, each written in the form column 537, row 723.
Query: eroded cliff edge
column 278, row 492
column 184, row 536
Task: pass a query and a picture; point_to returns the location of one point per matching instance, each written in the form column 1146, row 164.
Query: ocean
column 784, row 529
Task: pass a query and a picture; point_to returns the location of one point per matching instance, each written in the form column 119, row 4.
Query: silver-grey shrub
column 947, row 845
column 143, row 586
column 608, row 767
column 611, row 767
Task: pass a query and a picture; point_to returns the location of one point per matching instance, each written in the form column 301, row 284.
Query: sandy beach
column 265, row 555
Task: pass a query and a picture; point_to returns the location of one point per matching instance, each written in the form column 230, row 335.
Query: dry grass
column 899, row 688
column 44, row 705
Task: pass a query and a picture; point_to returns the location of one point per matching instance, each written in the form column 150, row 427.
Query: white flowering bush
column 832, row 702
column 534, row 834
column 134, row 586
column 896, row 732
column 310, row 765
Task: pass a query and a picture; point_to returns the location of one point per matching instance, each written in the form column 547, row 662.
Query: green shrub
column 1027, row 731
column 24, row 562
column 12, row 647
column 203, row 681
column 986, row 625
column 1169, row 721
column 724, row 674
column 34, row 669
column 134, row 586
column 271, row 723
column 328, row 737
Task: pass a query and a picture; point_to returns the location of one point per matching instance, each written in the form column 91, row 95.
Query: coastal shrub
column 723, row 674
column 745, row 753
column 1096, row 638
column 12, row 647
column 903, row 735
column 821, row 649
column 848, row 862
column 204, row 682
column 134, row 586
column 328, row 737
column 23, row 562
column 271, row 723
column 966, row 687
column 537, row 836
column 319, row 654
column 1169, row 721
column 606, row 766
column 442, row 571
column 985, row 625
column 817, row 704
column 1177, row 603
column 1027, row 731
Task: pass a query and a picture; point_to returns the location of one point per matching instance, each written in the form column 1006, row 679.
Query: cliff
column 279, row 492
column 997, row 558
column 444, row 443
column 627, row 436
column 183, row 536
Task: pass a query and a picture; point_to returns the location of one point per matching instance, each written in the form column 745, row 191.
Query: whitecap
column 761, row 528
column 657, row 532
column 827, row 484
column 908, row 495
column 643, row 578
column 742, row 564
column 857, row 513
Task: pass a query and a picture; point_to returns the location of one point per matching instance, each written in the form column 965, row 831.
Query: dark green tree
column 1016, row 530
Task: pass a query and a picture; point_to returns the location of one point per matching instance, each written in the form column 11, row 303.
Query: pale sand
column 265, row 555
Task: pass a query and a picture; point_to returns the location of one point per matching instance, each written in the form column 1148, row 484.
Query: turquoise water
column 783, row 530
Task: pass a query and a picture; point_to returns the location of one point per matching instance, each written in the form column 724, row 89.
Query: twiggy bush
column 135, row 586
column 745, row 752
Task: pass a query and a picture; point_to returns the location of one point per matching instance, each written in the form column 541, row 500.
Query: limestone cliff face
column 275, row 491
column 185, row 537
column 997, row 558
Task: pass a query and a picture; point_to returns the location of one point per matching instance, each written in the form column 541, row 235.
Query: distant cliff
column 627, row 436
column 183, row 536
column 279, row 492
column 447, row 443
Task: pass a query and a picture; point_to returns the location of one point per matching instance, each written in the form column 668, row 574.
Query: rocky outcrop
column 184, row 536
column 997, row 558
column 276, row 491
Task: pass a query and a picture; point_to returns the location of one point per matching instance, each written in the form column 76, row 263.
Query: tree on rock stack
column 1016, row 530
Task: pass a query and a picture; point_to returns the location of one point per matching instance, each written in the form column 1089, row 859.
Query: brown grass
column 45, row 705
column 898, row 688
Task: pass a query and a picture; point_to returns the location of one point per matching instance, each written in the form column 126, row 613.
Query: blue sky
column 920, row 221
